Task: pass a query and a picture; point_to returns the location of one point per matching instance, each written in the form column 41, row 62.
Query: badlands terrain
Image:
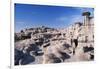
column 44, row 45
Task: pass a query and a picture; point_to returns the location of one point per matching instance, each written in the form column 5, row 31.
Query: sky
column 31, row 15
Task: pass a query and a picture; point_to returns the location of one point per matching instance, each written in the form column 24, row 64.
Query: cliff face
column 48, row 45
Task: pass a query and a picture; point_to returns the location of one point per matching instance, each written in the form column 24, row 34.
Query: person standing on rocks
column 75, row 36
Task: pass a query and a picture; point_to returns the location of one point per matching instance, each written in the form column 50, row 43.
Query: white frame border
column 38, row 2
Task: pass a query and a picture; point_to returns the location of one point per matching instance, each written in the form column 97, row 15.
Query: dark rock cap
column 86, row 14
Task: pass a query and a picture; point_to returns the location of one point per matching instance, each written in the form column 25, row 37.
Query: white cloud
column 62, row 19
column 71, row 19
column 77, row 18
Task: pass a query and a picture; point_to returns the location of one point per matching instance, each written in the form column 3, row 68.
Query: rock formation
column 43, row 45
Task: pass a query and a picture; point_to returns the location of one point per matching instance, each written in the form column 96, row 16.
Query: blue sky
column 30, row 15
